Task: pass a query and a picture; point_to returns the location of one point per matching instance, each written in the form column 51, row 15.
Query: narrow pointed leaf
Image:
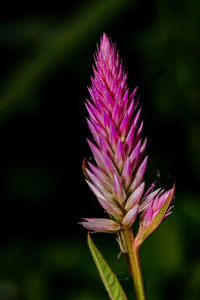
column 110, row 281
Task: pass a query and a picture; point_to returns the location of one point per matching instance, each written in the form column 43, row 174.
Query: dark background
column 46, row 54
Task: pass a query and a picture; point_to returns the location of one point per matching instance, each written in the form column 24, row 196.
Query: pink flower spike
column 101, row 225
column 118, row 148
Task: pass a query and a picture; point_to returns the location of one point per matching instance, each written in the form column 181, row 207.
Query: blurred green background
column 46, row 63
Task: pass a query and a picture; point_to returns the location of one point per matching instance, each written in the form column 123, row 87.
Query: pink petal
column 95, row 190
column 109, row 166
column 127, row 173
column 97, row 154
column 93, row 131
column 118, row 190
column 130, row 110
column 124, row 102
column 123, row 82
column 119, row 155
column 96, row 183
column 116, row 115
column 113, row 86
column 152, row 186
column 101, row 225
column 105, row 180
column 111, row 208
column 160, row 200
column 106, row 121
column 147, row 200
column 136, row 118
column 129, row 139
column 91, row 113
column 118, row 94
column 139, row 133
column 143, row 147
column 135, row 197
column 120, row 72
column 130, row 216
column 132, row 95
column 146, row 217
column 113, row 137
column 123, row 127
column 92, row 95
column 105, row 147
column 138, row 176
column 134, row 156
column 109, row 101
column 99, row 128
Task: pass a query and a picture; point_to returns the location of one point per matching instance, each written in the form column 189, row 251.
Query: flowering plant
column 117, row 178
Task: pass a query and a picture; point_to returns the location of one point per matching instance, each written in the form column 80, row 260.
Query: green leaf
column 110, row 281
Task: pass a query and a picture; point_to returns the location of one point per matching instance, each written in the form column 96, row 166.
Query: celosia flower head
column 117, row 178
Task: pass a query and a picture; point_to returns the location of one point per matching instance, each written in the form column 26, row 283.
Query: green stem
column 134, row 264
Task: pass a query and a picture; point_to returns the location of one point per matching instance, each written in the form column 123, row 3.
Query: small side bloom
column 156, row 210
